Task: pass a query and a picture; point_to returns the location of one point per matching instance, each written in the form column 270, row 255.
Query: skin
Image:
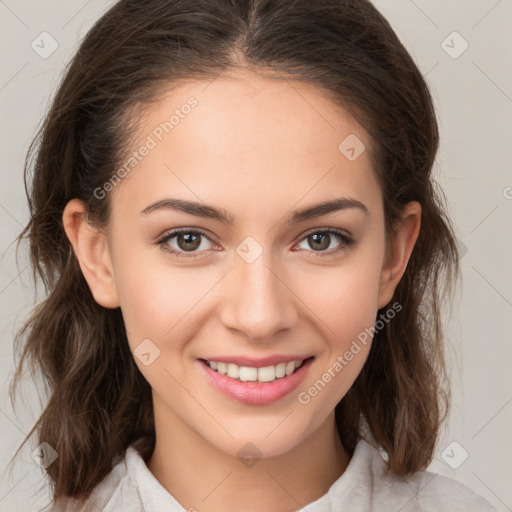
column 259, row 149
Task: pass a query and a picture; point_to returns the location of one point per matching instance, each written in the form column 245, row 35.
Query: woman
column 245, row 254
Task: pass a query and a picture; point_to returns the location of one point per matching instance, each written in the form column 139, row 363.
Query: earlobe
column 399, row 251
column 92, row 252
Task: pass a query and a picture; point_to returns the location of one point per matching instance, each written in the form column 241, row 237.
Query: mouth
column 255, row 385
column 268, row 373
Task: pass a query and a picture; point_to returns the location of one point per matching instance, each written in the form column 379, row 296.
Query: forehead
column 245, row 138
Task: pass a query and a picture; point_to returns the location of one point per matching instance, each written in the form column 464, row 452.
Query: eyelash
column 346, row 241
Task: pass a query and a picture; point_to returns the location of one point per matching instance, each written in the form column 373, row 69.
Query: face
column 250, row 274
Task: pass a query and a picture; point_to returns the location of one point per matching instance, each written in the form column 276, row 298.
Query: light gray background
column 473, row 95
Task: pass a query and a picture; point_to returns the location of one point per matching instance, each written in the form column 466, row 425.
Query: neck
column 200, row 476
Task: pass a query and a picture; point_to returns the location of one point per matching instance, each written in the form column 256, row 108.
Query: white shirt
column 363, row 487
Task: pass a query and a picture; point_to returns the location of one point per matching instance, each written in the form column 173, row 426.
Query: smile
column 251, row 374
column 255, row 385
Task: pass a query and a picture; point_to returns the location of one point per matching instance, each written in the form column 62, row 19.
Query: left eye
column 321, row 241
column 180, row 242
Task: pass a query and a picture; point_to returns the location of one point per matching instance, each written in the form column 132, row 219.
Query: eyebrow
column 211, row 212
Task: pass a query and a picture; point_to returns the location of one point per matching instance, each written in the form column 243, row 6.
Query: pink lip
column 256, row 362
column 255, row 393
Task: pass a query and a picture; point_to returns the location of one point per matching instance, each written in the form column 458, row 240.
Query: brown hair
column 98, row 401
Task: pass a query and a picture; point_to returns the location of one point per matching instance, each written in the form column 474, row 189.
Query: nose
column 258, row 302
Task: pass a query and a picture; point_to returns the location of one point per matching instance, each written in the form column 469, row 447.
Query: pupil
column 191, row 241
column 321, row 239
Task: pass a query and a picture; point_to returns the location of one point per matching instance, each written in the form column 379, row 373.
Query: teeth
column 233, row 371
column 280, row 370
column 267, row 374
column 246, row 373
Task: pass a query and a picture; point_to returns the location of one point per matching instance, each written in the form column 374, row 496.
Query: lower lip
column 253, row 392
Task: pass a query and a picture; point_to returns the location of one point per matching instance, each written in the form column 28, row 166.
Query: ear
column 92, row 251
column 399, row 251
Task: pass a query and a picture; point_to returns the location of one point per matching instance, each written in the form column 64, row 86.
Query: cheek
column 156, row 298
column 343, row 299
column 161, row 307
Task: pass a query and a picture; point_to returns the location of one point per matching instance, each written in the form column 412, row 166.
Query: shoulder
column 423, row 490
column 117, row 491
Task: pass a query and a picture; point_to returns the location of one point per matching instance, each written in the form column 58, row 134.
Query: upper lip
column 254, row 362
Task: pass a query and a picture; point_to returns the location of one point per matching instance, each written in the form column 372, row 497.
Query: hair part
column 99, row 402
